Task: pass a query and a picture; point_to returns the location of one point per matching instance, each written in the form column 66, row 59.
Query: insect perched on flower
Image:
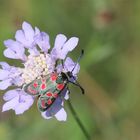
column 49, row 87
column 42, row 76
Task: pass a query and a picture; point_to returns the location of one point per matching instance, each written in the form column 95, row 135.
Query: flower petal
column 42, row 41
column 71, row 44
column 33, row 51
column 67, row 95
column 21, row 108
column 5, row 84
column 26, row 36
column 69, row 65
column 10, row 54
column 37, row 31
column 28, row 31
column 61, row 47
column 59, row 41
column 10, row 104
column 59, row 68
column 4, row 74
column 61, row 115
column 20, row 36
column 10, row 94
column 44, row 115
column 5, row 66
column 25, row 102
column 16, row 47
column 68, row 46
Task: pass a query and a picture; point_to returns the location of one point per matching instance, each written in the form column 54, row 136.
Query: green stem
column 78, row 120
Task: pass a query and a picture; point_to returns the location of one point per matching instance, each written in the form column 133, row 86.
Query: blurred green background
column 109, row 32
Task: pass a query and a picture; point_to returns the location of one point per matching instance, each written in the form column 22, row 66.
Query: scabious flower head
column 32, row 47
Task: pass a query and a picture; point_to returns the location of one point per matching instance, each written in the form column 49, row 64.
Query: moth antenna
column 77, row 84
column 78, row 60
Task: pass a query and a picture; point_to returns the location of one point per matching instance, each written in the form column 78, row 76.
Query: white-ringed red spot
column 55, row 95
column 43, row 104
column 43, row 86
column 49, row 94
column 49, row 102
column 43, row 80
column 32, row 91
column 35, row 85
column 53, row 76
column 60, row 86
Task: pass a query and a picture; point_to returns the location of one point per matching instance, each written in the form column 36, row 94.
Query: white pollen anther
column 35, row 67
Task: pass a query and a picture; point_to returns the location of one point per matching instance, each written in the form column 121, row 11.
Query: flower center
column 35, row 66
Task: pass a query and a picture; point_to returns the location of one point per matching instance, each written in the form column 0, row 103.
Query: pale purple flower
column 62, row 46
column 17, row 100
column 9, row 75
column 39, row 61
column 26, row 35
column 14, row 50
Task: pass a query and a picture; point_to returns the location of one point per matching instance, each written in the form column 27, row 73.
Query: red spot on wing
column 60, row 86
column 49, row 94
column 35, row 85
column 53, row 76
column 55, row 95
column 49, row 102
column 43, row 86
column 43, row 104
column 43, row 80
column 32, row 91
